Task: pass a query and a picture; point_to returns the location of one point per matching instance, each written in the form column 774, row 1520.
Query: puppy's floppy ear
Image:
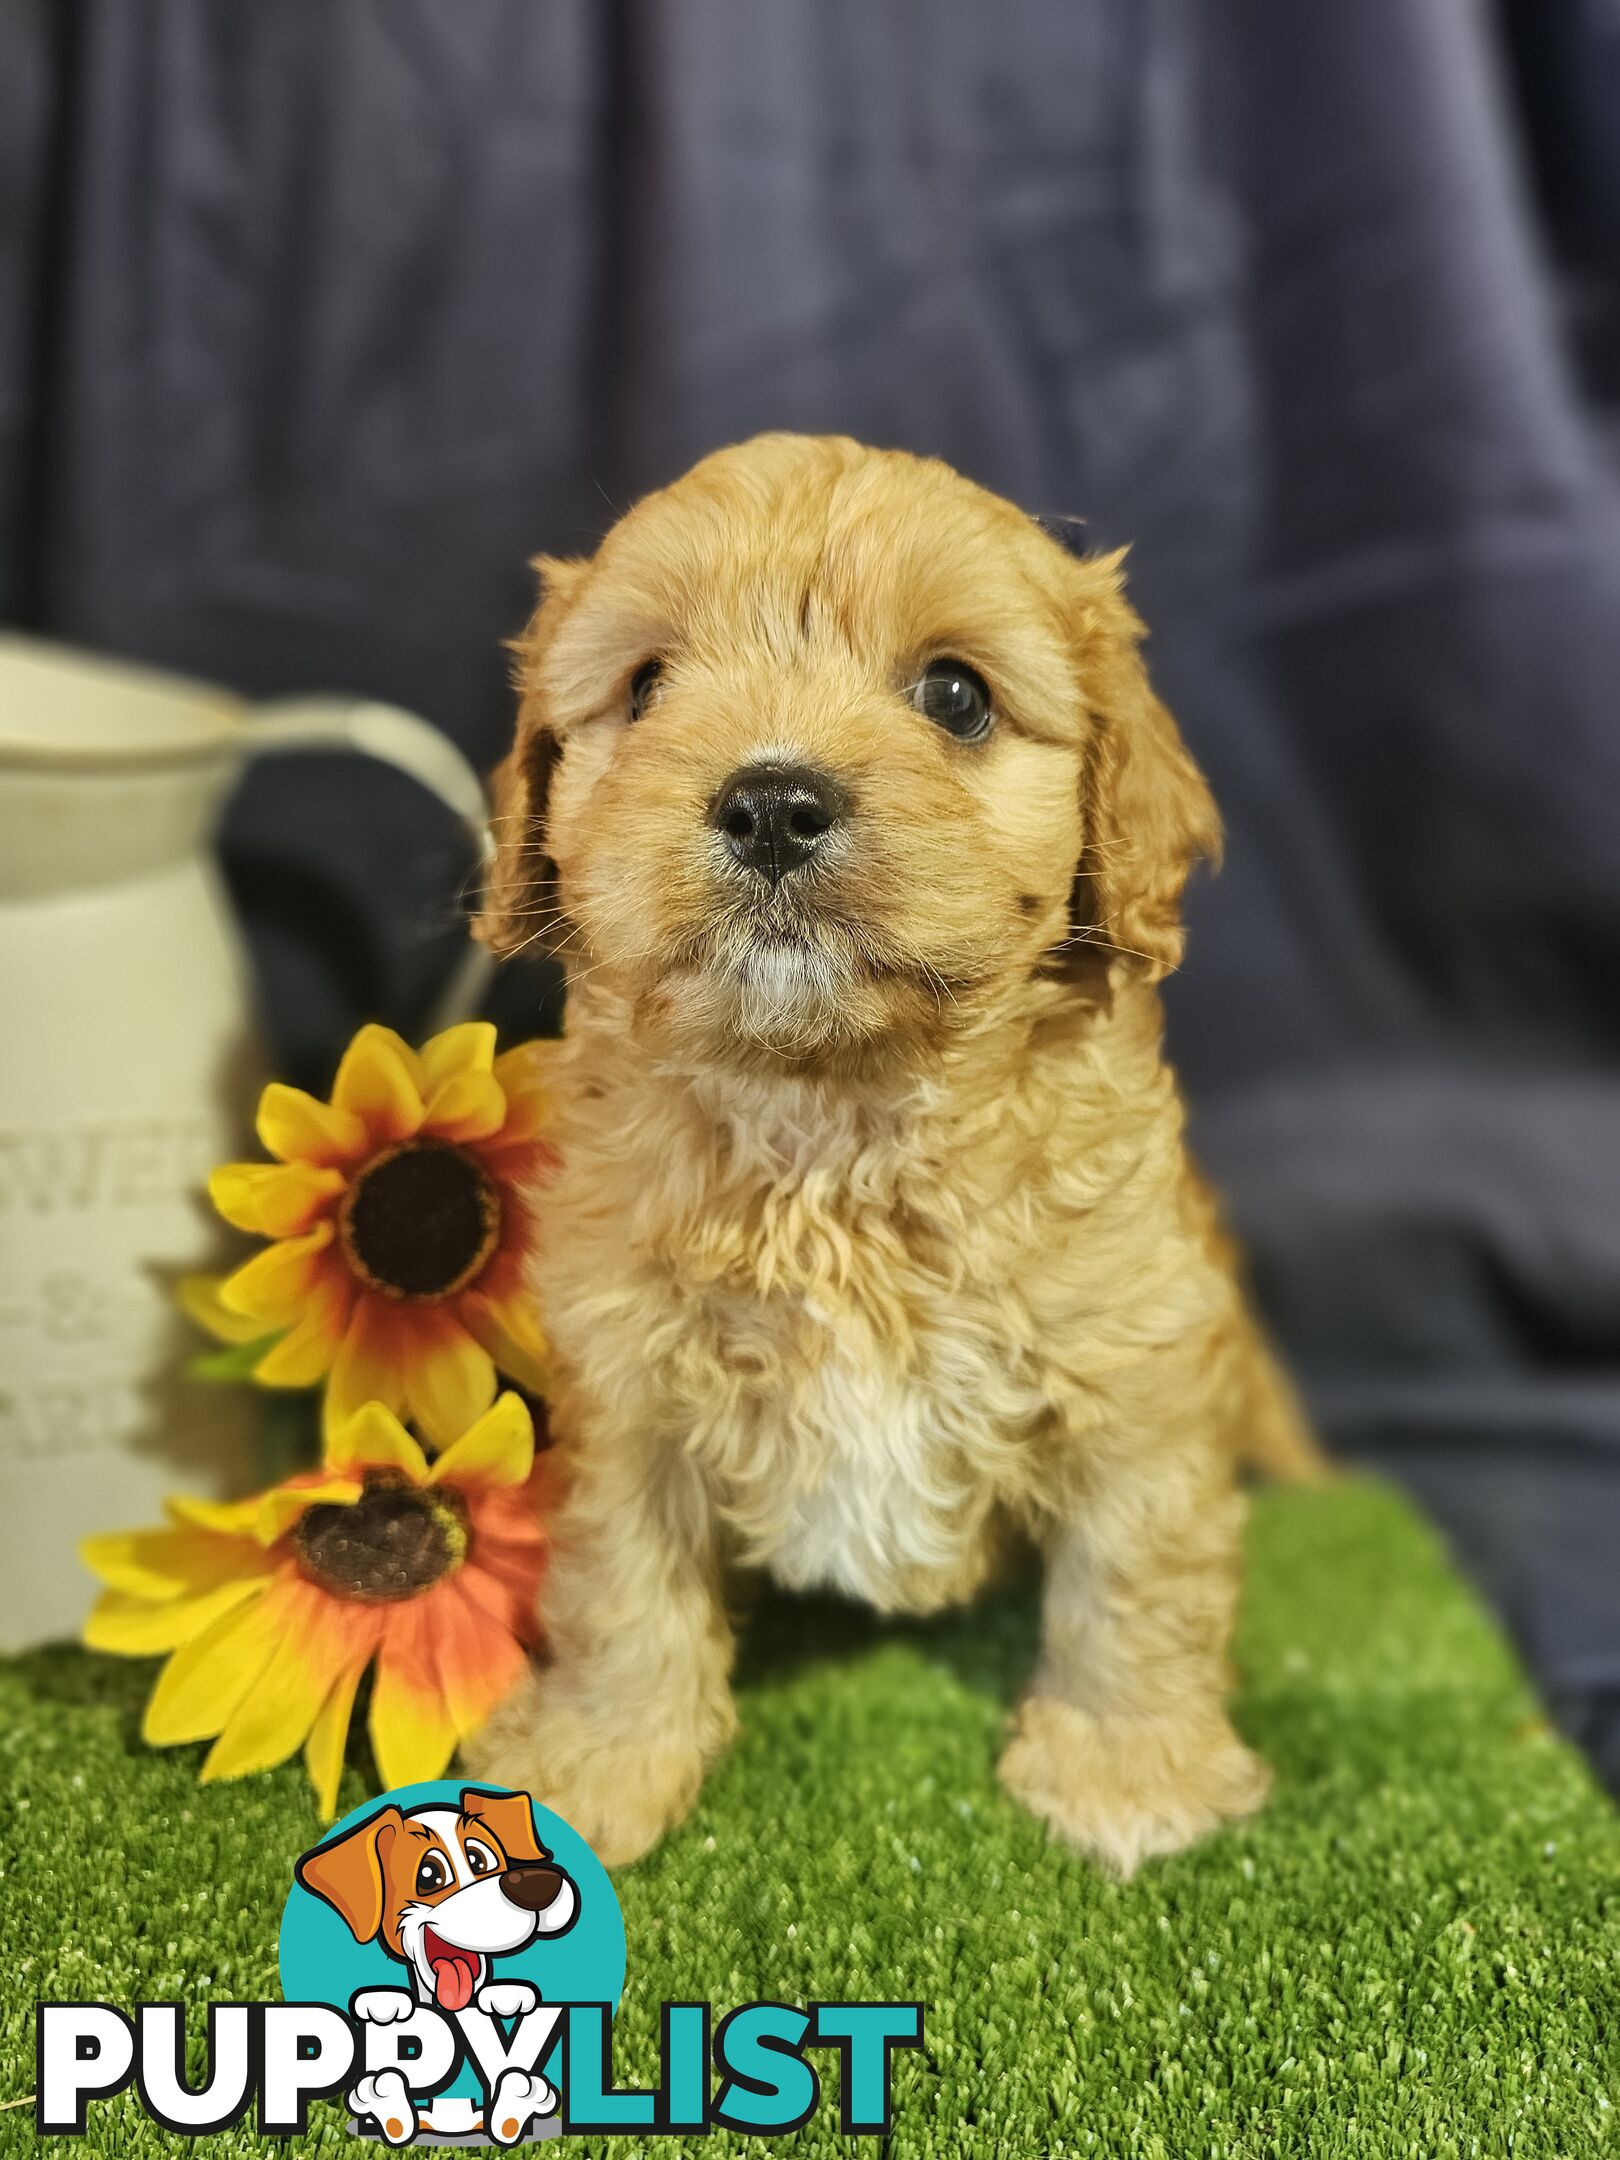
column 510, row 1816
column 1147, row 815
column 348, row 1872
column 520, row 892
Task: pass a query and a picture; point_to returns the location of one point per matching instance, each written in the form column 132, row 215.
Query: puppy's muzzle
column 774, row 818
column 532, row 1887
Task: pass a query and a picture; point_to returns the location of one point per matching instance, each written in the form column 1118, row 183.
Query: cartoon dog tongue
column 454, row 1971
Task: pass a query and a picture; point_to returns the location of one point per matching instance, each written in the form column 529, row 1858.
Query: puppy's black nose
column 532, row 1885
column 774, row 817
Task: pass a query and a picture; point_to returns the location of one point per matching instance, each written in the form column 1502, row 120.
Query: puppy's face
column 823, row 744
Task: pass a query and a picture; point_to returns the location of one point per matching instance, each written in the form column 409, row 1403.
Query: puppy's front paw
column 507, row 1998
column 383, row 2006
column 620, row 1794
column 1124, row 1789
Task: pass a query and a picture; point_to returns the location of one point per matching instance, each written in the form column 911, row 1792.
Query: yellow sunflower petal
column 328, row 1739
column 274, row 1199
column 413, row 1734
column 306, row 1352
column 209, row 1675
column 276, row 1284
column 528, row 1066
column 377, row 1082
column 467, row 1106
column 469, row 1048
column 198, row 1298
column 276, row 1717
column 449, row 1378
column 281, row 1507
column 231, row 1518
column 524, row 1074
column 134, row 1627
column 375, row 1036
column 170, row 1563
column 295, row 1127
column 510, row 1333
column 374, row 1437
column 369, row 1366
column 497, row 1450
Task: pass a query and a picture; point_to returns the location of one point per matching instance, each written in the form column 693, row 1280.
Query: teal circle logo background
column 322, row 1962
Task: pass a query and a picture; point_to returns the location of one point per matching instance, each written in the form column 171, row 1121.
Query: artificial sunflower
column 271, row 1608
column 401, row 1220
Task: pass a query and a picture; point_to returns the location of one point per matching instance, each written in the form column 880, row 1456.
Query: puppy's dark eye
column 480, row 1859
column 954, row 698
column 642, row 685
column 431, row 1875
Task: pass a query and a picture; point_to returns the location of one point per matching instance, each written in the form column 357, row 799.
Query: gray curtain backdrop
column 318, row 317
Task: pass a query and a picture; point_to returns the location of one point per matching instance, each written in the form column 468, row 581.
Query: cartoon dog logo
column 446, row 1891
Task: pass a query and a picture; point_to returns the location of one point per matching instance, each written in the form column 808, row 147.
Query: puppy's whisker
column 544, row 931
column 1107, row 944
column 548, row 908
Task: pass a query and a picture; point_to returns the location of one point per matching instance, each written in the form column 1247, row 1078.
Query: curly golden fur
column 875, row 1249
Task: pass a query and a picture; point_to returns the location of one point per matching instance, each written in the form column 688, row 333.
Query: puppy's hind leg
column 1123, row 1744
column 617, row 1723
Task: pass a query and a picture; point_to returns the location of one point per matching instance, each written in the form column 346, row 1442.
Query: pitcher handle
column 412, row 746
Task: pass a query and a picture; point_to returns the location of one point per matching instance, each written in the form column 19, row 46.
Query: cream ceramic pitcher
column 128, row 1068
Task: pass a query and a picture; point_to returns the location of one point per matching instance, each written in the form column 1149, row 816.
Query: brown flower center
column 421, row 1220
column 394, row 1542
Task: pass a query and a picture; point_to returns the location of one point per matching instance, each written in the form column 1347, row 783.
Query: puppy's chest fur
column 851, row 1370
column 871, row 1468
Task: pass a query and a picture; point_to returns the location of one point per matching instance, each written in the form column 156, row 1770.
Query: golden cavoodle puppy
column 841, row 792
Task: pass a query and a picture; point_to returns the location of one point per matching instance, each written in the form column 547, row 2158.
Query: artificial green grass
column 1416, row 1950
